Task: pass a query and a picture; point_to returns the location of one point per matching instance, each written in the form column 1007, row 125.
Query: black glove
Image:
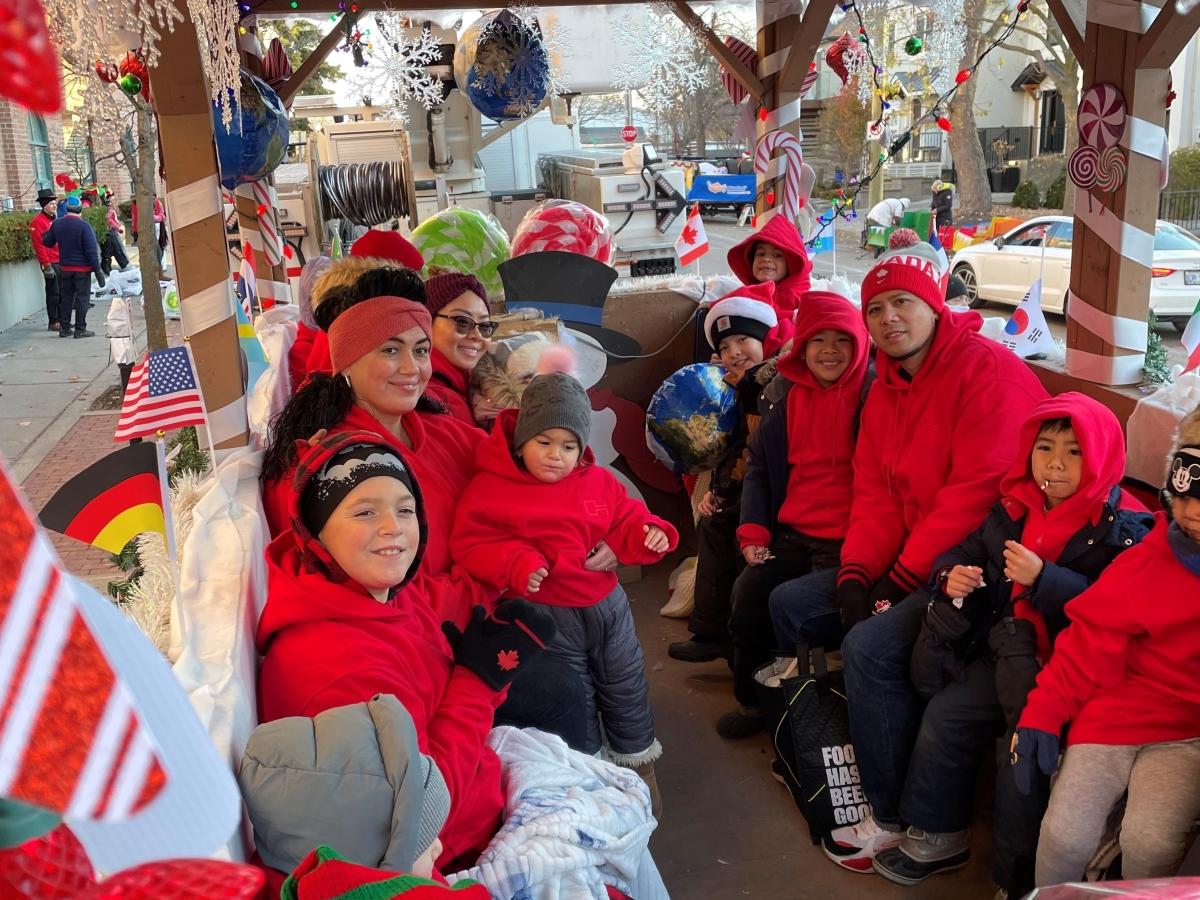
column 854, row 603
column 495, row 647
column 100, row 279
column 886, row 594
column 1032, row 747
column 48, row 272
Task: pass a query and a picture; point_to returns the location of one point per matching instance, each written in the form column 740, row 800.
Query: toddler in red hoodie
column 527, row 524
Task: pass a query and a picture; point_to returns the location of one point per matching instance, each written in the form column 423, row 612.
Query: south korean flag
column 1027, row 333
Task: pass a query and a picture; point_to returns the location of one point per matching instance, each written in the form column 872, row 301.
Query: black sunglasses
column 465, row 324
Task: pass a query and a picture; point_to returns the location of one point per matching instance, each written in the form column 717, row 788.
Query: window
column 39, row 147
column 1170, row 237
column 1061, row 236
column 1029, row 236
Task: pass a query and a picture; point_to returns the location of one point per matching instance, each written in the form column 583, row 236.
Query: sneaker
column 924, row 853
column 742, row 722
column 700, row 650
column 64, row 331
column 83, row 334
column 854, row 846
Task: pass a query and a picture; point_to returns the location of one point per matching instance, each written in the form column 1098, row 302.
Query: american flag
column 163, row 393
column 71, row 739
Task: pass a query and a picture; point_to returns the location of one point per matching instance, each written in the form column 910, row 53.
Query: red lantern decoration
column 944, row 124
column 762, row 114
column 962, row 76
column 106, row 71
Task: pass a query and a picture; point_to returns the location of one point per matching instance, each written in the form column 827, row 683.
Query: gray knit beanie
column 437, row 804
column 550, row 401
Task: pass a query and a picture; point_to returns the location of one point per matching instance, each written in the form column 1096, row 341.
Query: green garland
column 15, row 243
column 1156, row 370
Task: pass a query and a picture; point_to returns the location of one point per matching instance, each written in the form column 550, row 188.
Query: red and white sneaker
column 854, row 846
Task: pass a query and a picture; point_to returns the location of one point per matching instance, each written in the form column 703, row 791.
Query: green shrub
column 125, row 210
column 15, row 245
column 1056, row 192
column 1026, row 196
column 1185, row 169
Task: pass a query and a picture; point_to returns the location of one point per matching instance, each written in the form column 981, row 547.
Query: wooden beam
column 1166, row 37
column 291, row 87
column 717, row 48
column 804, row 45
column 322, row 8
column 1066, row 24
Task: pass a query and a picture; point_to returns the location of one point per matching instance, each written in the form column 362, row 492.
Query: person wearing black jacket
column 79, row 257
column 943, row 204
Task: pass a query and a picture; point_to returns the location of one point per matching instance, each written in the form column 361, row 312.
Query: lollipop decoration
column 567, row 226
column 749, row 57
column 1110, row 173
column 1082, row 167
column 1101, row 116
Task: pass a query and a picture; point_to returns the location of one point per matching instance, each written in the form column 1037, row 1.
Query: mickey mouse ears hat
column 750, row 310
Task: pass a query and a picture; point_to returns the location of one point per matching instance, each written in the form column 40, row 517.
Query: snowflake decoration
column 944, row 43
column 89, row 35
column 512, row 52
column 554, row 39
column 216, row 24
column 397, row 70
column 665, row 59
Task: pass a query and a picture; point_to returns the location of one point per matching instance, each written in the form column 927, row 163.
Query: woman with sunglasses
column 462, row 331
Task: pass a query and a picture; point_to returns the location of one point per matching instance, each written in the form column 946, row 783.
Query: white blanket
column 572, row 824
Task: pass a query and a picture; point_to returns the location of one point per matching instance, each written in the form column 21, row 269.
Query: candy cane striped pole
column 272, row 237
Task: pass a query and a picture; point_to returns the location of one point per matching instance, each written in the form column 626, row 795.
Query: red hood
column 820, row 310
column 457, row 378
column 783, row 234
column 495, row 452
column 1103, row 445
column 312, row 553
column 949, row 338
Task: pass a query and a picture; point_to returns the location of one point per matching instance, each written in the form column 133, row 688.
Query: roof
column 1033, row 74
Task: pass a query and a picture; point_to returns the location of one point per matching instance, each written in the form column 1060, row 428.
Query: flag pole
column 169, row 521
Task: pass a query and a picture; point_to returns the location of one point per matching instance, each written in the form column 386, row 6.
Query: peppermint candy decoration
column 567, row 226
column 1101, row 116
column 749, row 57
column 809, row 80
column 1110, row 173
column 1081, row 168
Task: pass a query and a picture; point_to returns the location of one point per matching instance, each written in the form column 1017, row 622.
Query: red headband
column 366, row 325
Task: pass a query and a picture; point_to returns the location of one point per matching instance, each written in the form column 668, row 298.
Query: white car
column 1004, row 269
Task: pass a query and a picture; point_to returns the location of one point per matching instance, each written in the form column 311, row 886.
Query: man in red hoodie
column 774, row 253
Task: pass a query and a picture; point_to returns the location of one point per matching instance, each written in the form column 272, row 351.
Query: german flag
column 114, row 500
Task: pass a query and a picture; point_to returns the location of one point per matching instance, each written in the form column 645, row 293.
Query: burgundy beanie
column 366, row 325
column 441, row 289
column 389, row 245
column 915, row 269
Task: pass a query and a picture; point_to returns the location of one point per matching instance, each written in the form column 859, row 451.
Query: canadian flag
column 692, row 242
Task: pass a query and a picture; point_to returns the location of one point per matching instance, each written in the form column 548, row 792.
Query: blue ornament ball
column 257, row 138
column 502, row 66
column 692, row 419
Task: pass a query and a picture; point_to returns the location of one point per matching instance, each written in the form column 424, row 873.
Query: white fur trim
column 739, row 306
column 632, row 760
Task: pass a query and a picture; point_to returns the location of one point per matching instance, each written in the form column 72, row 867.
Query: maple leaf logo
column 882, row 606
column 689, row 234
column 507, row 660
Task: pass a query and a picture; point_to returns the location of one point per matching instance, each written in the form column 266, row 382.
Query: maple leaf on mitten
column 495, row 647
column 29, row 67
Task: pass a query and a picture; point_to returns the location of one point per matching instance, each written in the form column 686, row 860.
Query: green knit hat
column 323, row 875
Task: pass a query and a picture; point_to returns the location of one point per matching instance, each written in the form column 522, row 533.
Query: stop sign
column 629, row 134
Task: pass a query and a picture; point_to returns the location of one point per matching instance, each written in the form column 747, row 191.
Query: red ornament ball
column 962, row 76
column 944, row 124
column 106, row 71
column 132, row 64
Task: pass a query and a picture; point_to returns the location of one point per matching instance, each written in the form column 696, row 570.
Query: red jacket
column 328, row 644
column 299, row 353
column 451, row 386
column 510, row 524
column 319, row 359
column 38, row 226
column 931, row 452
column 783, row 234
column 1124, row 672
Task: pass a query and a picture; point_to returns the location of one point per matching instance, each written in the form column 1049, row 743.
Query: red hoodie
column 328, row 644
column 1124, row 672
column 820, row 424
column 1047, row 532
column 319, row 359
column 450, row 385
column 510, row 524
column 783, row 234
column 931, row 452
column 299, row 353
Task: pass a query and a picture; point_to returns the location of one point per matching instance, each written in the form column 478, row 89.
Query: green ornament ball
column 130, row 84
column 913, row 45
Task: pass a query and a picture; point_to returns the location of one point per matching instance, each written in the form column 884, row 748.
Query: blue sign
column 733, row 189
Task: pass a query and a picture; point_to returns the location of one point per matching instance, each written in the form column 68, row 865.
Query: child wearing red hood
column 348, row 616
column 774, row 253
column 527, row 523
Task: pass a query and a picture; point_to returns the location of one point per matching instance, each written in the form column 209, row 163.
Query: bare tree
column 589, row 108
column 974, row 190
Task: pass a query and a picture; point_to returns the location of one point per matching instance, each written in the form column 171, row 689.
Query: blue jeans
column 805, row 609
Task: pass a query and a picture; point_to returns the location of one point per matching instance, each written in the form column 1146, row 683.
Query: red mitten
column 29, row 68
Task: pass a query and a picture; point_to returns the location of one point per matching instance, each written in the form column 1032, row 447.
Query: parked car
column 1003, row 269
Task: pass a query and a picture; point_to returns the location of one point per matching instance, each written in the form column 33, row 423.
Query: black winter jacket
column 943, row 208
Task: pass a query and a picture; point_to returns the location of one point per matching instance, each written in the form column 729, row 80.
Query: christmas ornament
column 1101, row 116
column 130, row 84
column 798, row 179
column 106, row 71
column 962, row 76
column 836, row 56
column 502, row 67
column 1110, row 172
column 944, row 124
column 749, row 58
column 276, row 67
column 944, row 43
column 1081, row 167
column 913, row 45
column 132, row 64
column 398, row 70
column 29, row 66
column 809, row 79
column 564, row 225
column 253, row 149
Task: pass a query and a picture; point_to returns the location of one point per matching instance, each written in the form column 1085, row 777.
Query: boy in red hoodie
column 1123, row 681
column 774, row 253
column 527, row 523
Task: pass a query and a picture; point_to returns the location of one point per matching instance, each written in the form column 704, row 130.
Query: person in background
column 111, row 247
column 462, row 333
column 943, row 204
column 888, row 212
column 307, row 329
column 79, row 257
column 1123, row 682
column 47, row 257
column 160, row 220
column 774, row 253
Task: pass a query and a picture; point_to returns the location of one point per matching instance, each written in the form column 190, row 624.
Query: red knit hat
column 441, row 289
column 389, row 245
column 915, row 269
column 366, row 325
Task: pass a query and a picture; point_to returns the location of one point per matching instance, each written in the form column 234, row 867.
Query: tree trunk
column 974, row 190
column 142, row 170
column 1069, row 91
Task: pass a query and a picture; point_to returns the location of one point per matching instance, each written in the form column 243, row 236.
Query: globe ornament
column 502, row 66
column 913, row 45
column 692, row 419
column 253, row 146
column 130, row 84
